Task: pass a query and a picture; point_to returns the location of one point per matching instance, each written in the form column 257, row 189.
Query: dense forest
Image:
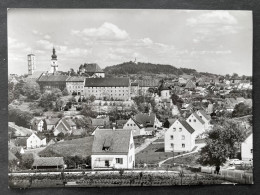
column 140, row 67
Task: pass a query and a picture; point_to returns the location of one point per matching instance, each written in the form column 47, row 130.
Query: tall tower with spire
column 54, row 62
column 31, row 63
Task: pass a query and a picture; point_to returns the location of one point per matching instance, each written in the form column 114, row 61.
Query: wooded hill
column 144, row 68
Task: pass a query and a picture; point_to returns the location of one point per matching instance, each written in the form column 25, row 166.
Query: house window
column 183, row 137
column 251, row 151
column 171, row 136
column 174, row 129
column 172, row 145
column 183, row 145
column 189, row 120
column 194, row 120
column 180, row 129
column 119, row 160
column 107, row 163
column 200, row 116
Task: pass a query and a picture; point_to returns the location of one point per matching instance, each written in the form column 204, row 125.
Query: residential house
column 230, row 103
column 101, row 122
column 148, row 120
column 196, row 123
column 206, row 118
column 37, row 124
column 190, row 85
column 136, row 128
column 50, row 123
column 65, row 126
column 180, row 137
column 113, row 149
column 247, row 148
column 35, row 142
column 48, row 163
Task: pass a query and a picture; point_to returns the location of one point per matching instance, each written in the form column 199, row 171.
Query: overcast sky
column 209, row 41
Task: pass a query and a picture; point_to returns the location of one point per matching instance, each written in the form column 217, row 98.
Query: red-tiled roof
column 107, row 82
column 116, row 140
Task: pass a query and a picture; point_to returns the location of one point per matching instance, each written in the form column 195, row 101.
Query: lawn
column 153, row 154
column 81, row 147
column 186, row 160
column 139, row 140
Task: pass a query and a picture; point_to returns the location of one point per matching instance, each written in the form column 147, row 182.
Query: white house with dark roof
column 196, row 123
column 116, row 88
column 113, row 149
column 35, row 142
column 180, row 137
column 136, row 128
column 65, row 126
column 148, row 120
column 206, row 118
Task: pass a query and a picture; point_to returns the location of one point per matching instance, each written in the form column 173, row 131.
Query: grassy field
column 153, row 154
column 186, row 160
column 81, row 147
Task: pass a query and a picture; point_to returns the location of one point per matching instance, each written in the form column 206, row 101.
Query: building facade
column 110, row 88
column 35, row 142
column 113, row 149
column 31, row 64
column 247, row 148
column 76, row 85
column 180, row 137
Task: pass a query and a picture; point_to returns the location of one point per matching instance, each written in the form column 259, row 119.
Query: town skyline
column 218, row 42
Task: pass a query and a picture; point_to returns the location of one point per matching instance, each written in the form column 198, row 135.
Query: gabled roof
column 120, row 123
column 53, row 78
column 190, row 85
column 36, row 75
column 91, row 68
column 11, row 156
column 186, row 126
column 117, row 141
column 145, row 118
column 48, row 161
column 75, row 79
column 137, row 123
column 198, row 118
column 203, row 113
column 171, row 121
column 148, row 83
column 98, row 121
column 107, row 82
column 52, row 121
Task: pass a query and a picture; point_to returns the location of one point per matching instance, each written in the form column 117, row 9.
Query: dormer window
column 105, row 148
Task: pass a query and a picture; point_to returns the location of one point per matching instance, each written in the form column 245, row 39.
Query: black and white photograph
column 129, row 97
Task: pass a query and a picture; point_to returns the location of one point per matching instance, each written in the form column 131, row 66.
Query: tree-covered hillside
column 140, row 67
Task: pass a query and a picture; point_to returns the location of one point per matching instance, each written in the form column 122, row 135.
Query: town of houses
column 113, row 139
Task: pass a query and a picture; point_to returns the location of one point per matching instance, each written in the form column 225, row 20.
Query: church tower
column 31, row 63
column 54, row 62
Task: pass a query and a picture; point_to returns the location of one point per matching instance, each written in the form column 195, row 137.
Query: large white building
column 76, row 85
column 113, row 149
column 110, row 88
column 180, row 137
